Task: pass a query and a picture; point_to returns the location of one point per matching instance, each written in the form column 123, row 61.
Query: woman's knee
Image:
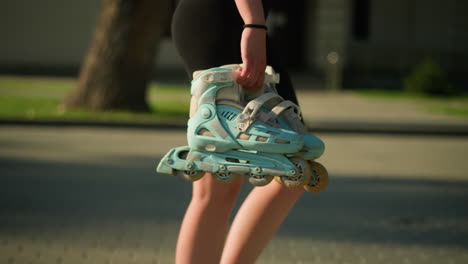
column 210, row 191
column 283, row 191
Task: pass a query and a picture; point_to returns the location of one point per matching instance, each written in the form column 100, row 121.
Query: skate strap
column 218, row 77
column 251, row 111
column 272, row 78
column 226, row 76
column 281, row 107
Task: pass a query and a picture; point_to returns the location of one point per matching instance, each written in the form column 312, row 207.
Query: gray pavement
column 90, row 195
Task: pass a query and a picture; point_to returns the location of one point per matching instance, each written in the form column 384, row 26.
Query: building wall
column 329, row 32
column 404, row 33
column 54, row 33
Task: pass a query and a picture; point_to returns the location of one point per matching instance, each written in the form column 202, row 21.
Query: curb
column 93, row 124
column 333, row 127
column 386, row 128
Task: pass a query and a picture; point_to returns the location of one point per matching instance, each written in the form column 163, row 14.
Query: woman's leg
column 259, row 217
column 203, row 231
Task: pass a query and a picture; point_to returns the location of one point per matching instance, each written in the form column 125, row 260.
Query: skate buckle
column 243, row 121
column 205, row 113
column 189, row 165
column 222, row 167
column 210, row 147
column 241, row 118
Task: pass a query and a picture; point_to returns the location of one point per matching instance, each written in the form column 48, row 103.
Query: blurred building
column 374, row 38
column 385, row 36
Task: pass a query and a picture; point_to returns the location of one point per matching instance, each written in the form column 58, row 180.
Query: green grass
column 385, row 94
column 449, row 105
column 40, row 98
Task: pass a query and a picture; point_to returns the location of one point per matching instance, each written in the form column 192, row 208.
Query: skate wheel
column 191, row 175
column 301, row 178
column 319, row 178
column 226, row 177
column 259, row 180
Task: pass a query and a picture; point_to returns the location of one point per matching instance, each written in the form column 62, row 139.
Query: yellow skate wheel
column 259, row 180
column 301, row 178
column 191, row 175
column 319, row 178
column 278, row 179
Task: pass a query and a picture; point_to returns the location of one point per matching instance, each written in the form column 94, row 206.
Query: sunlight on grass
column 35, row 86
column 449, row 105
column 40, row 98
column 27, row 107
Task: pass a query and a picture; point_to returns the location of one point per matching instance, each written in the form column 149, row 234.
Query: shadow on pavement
column 55, row 196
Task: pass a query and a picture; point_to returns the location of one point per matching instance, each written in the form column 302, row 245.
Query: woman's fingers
column 260, row 80
column 253, row 52
column 251, row 77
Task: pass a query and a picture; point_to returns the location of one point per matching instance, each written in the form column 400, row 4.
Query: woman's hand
column 253, row 45
column 253, row 51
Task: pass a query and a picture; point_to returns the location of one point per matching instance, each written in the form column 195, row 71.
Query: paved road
column 76, row 195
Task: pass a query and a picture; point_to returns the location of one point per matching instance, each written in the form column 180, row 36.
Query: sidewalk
column 91, row 195
column 347, row 111
column 74, row 194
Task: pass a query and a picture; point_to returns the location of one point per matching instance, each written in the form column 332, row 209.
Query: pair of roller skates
column 232, row 132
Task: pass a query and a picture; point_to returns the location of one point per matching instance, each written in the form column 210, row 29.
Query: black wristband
column 255, row 26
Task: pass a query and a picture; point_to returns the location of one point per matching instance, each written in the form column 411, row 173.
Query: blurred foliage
column 428, row 78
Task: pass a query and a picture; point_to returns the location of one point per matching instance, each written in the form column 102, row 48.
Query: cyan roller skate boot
column 288, row 115
column 220, row 121
column 227, row 138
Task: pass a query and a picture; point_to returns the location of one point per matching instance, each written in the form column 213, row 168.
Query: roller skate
column 288, row 115
column 226, row 141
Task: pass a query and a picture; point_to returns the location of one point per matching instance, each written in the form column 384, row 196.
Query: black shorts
column 207, row 34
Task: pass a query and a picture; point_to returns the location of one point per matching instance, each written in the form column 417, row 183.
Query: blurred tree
column 117, row 68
